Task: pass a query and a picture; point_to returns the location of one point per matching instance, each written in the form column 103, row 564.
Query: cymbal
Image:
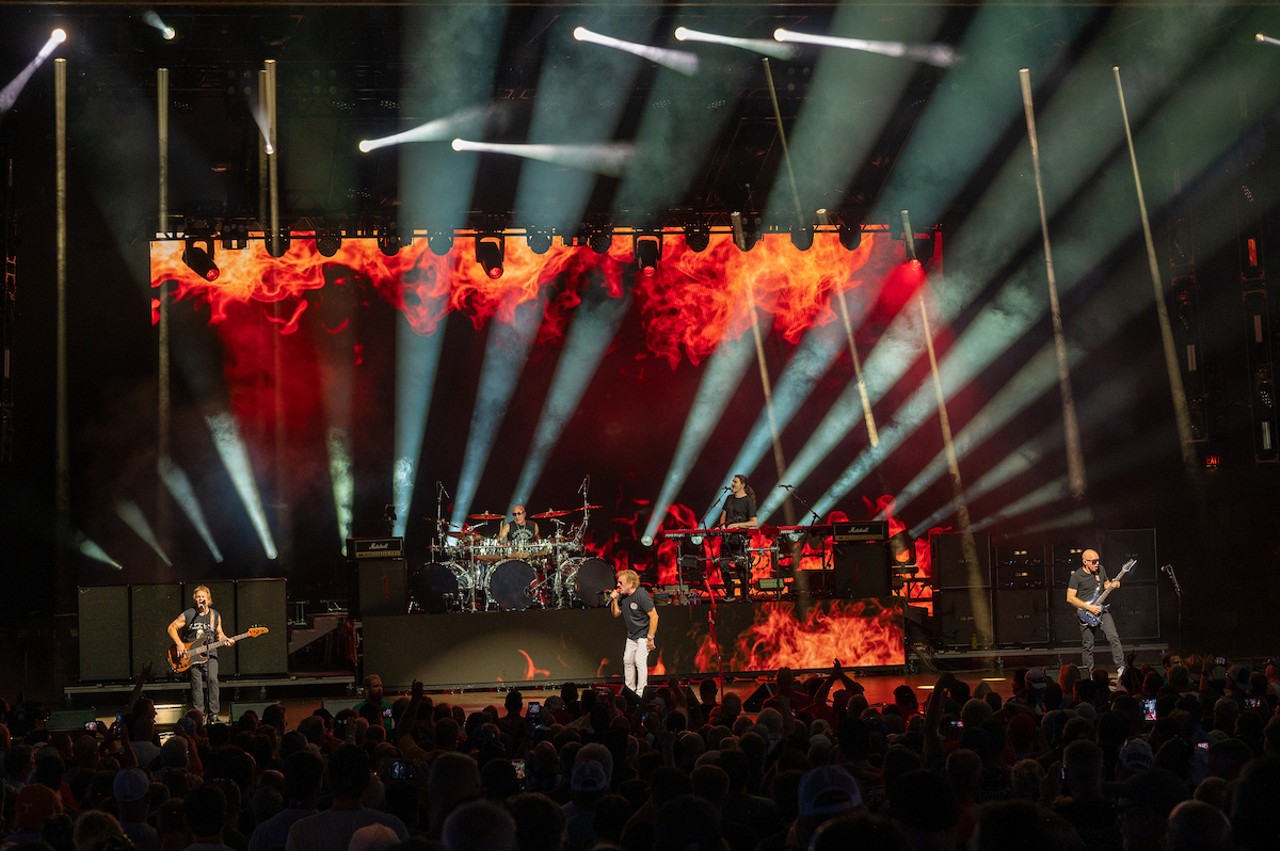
column 485, row 516
column 552, row 513
column 589, row 508
column 467, row 534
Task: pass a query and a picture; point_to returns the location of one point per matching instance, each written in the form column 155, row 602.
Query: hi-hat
column 552, row 513
column 484, row 516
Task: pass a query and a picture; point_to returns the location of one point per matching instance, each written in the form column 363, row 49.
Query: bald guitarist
column 1088, row 588
column 201, row 624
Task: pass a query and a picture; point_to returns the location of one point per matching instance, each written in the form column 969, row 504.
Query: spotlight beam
column 504, row 359
column 128, row 511
column 723, row 373
column 417, row 364
column 463, row 122
column 595, row 323
column 609, row 159
column 235, row 458
column 680, row 61
column 1075, row 455
column 938, row 55
column 763, row 46
column 9, row 94
column 179, row 486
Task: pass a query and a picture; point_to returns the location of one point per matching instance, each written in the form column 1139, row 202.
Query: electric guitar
column 198, row 651
column 1092, row 619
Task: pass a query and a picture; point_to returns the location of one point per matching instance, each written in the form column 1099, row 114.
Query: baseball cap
column 828, row 790
column 1037, row 678
column 1136, row 754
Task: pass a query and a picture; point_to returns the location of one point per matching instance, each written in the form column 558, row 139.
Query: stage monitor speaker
column 151, row 608
column 381, row 588
column 954, row 618
column 1022, row 617
column 104, row 633
column 1120, row 545
column 755, row 701
column 256, row 707
column 222, row 597
column 952, row 568
column 861, row 570
column 261, row 602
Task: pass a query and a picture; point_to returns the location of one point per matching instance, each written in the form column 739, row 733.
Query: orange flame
column 692, row 303
column 860, row 633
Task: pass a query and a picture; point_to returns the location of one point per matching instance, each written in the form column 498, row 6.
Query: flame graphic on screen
column 860, row 633
column 695, row 301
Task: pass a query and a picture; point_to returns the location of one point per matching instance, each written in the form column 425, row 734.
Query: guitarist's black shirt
column 201, row 628
column 1088, row 585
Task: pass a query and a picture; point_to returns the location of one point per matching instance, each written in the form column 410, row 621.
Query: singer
column 1086, row 586
column 642, row 626
column 201, row 624
column 739, row 512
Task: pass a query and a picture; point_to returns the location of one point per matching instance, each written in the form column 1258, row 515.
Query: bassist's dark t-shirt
column 201, row 628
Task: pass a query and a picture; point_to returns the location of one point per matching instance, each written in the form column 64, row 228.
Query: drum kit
column 473, row 571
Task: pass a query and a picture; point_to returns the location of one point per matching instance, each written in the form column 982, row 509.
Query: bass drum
column 438, row 587
column 508, row 584
column 591, row 580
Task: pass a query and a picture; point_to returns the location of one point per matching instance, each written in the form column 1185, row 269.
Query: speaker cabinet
column 954, row 618
column 104, row 633
column 1063, row 620
column 1020, row 566
column 952, row 568
column 861, row 569
column 1022, row 617
column 1064, row 560
column 262, row 602
column 151, row 608
column 1136, row 611
column 380, row 586
column 1120, row 545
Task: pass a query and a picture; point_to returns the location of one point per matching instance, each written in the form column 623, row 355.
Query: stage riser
column 578, row 645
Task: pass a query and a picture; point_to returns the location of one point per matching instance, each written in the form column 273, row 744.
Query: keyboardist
column 739, row 512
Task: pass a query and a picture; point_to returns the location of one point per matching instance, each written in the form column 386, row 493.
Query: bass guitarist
column 201, row 624
column 1087, row 585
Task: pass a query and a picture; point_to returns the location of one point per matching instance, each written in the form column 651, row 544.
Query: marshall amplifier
column 363, row 548
column 858, row 533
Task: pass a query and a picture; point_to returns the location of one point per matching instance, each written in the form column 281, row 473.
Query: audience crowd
column 1161, row 759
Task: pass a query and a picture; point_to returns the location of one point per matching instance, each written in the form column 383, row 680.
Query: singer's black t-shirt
column 739, row 509
column 635, row 612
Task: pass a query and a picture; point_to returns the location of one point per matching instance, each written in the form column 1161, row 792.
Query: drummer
column 521, row 531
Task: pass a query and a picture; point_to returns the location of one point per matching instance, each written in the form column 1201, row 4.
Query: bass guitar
column 198, row 651
column 1092, row 619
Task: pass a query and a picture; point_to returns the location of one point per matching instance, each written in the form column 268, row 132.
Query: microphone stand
column 817, row 521
column 1177, row 590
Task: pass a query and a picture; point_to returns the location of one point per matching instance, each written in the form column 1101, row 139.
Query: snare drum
column 591, row 580
column 438, row 586
column 508, row 584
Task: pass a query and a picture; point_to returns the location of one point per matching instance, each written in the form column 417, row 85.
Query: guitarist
column 197, row 625
column 1086, row 585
